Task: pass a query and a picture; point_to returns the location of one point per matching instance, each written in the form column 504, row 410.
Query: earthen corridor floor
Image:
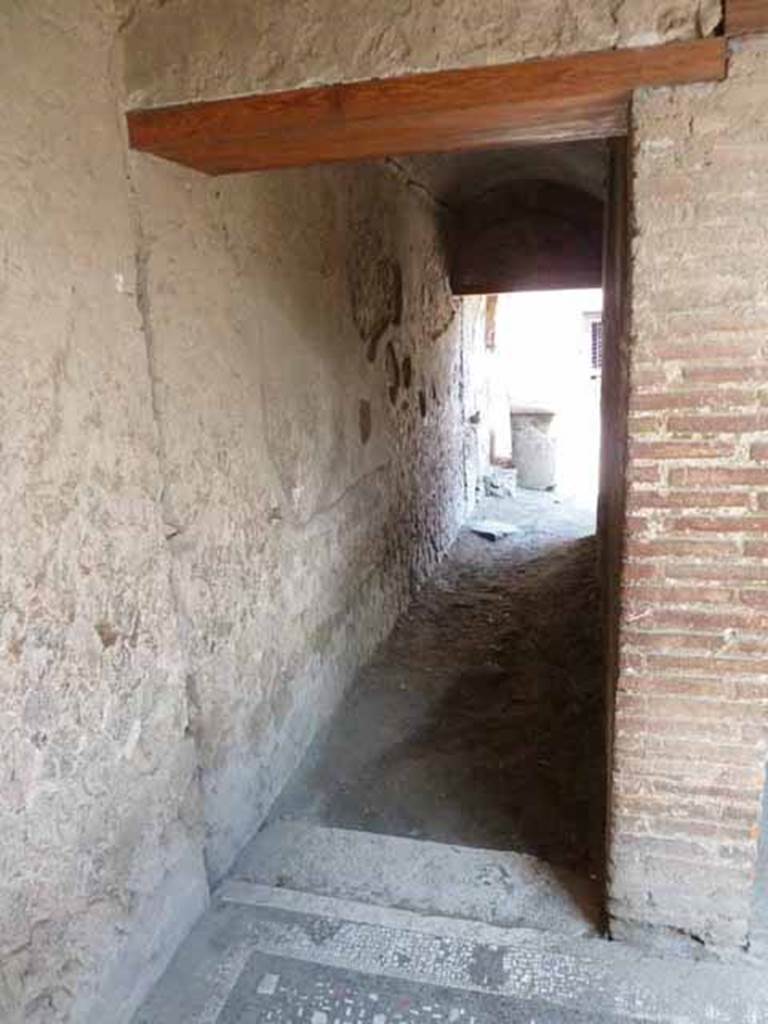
column 479, row 722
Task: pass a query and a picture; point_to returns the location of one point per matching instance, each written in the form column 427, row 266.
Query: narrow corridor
column 283, row 287
column 479, row 721
column 437, row 857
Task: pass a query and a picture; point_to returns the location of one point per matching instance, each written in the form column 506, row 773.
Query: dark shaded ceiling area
column 521, row 219
column 460, row 179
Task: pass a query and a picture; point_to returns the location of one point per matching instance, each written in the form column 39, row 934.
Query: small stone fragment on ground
column 501, row 483
column 492, row 529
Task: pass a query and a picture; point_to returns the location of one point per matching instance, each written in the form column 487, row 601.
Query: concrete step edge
column 298, row 901
column 495, row 886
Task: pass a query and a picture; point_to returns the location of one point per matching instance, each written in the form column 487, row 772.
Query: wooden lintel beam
column 743, row 17
column 563, row 98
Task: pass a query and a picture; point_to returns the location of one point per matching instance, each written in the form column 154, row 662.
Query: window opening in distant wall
column 595, row 328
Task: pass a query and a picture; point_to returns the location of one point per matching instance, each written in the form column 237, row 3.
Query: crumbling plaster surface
column 475, row 378
column 101, row 872
column 307, row 365
column 181, row 51
column 232, row 430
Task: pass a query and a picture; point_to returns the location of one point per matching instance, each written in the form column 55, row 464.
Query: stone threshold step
column 494, row 886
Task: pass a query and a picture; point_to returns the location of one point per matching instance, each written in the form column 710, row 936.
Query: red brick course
column 691, row 712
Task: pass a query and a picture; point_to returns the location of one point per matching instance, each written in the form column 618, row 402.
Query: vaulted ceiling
column 526, row 218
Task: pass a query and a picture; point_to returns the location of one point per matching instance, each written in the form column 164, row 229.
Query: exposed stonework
column 691, row 705
column 179, row 51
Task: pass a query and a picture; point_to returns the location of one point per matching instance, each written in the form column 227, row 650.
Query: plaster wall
column 179, row 51
column 101, row 869
column 476, row 395
column 306, row 359
column 232, row 439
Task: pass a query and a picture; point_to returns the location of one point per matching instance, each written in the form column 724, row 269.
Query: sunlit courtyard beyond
column 547, row 359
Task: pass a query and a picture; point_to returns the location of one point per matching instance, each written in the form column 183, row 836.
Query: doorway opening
column 543, row 372
column 463, row 775
column 465, row 772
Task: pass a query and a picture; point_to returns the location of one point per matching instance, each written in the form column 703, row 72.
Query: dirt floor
column 479, row 722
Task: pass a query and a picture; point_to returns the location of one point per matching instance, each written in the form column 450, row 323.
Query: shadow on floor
column 480, row 722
